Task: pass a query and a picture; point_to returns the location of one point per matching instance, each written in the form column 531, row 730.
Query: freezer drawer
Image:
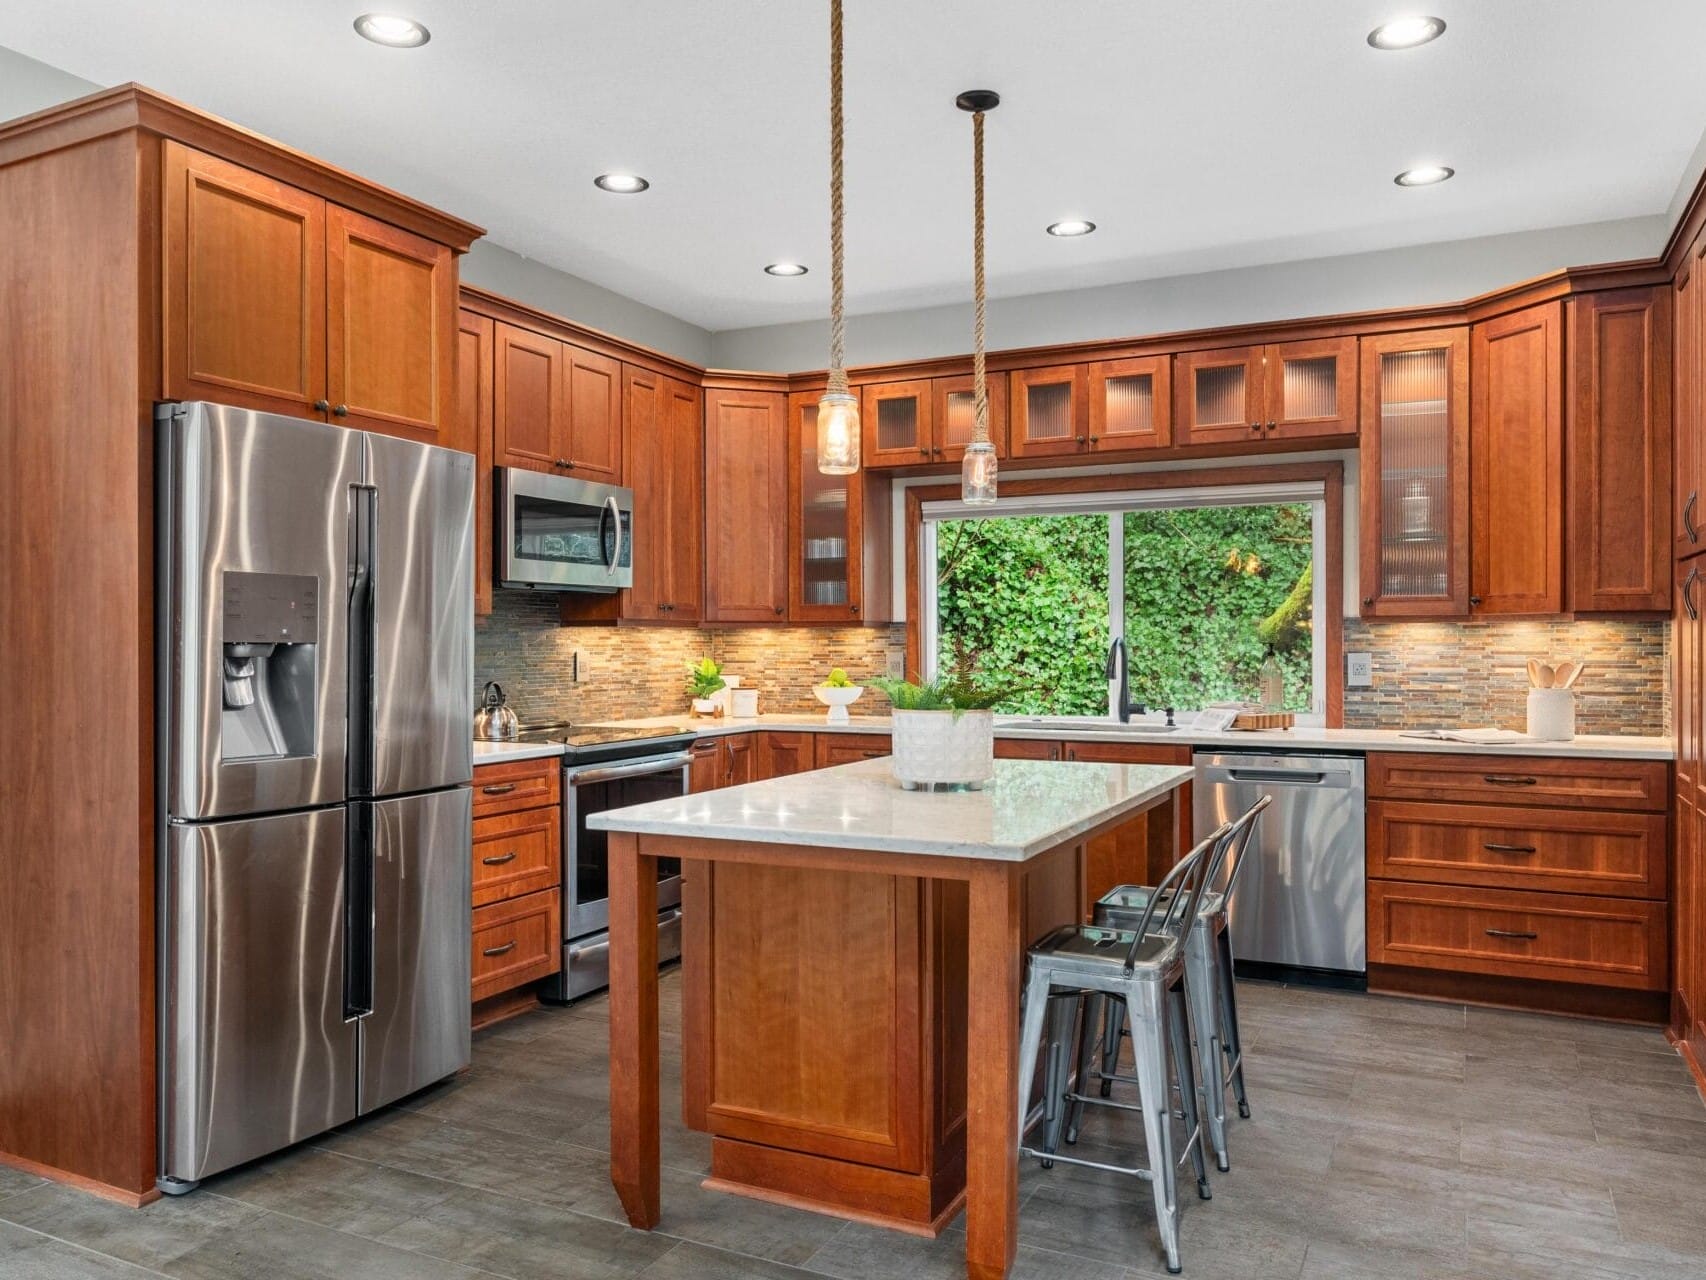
column 1300, row 901
column 255, row 1051
column 418, row 1030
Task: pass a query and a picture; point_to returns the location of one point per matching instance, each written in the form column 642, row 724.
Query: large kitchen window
column 1203, row 585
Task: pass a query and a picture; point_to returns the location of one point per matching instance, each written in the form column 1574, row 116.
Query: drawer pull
column 499, row 789
column 1507, row 780
column 1512, row 933
column 510, row 946
column 1510, row 848
column 498, row 859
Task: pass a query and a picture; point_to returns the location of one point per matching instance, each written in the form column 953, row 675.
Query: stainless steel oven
column 595, row 788
column 563, row 535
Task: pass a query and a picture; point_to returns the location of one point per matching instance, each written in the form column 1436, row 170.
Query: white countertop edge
column 500, row 752
column 1171, row 778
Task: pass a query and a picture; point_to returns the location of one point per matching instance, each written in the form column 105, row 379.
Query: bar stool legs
column 1203, row 983
column 1233, row 1049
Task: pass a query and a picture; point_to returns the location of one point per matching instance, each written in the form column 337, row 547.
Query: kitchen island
column 851, row 959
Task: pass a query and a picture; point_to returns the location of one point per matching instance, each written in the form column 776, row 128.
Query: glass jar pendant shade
column 977, row 473
column 838, row 433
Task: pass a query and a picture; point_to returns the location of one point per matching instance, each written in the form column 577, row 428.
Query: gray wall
column 27, row 85
column 1414, row 276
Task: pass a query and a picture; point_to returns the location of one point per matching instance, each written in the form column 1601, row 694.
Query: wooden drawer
column 1564, row 850
column 516, row 942
column 844, row 748
column 1609, row 942
column 516, row 784
column 1026, row 749
column 1521, row 780
column 516, row 854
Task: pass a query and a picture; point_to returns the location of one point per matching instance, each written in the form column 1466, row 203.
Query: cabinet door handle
column 1519, row 934
column 852, row 608
column 500, row 951
column 498, row 859
column 1688, row 593
column 1474, row 602
column 1688, row 524
column 340, row 410
column 559, row 462
column 320, row 406
column 1523, row 849
column 1508, row 780
column 780, row 610
column 1255, row 426
column 1368, row 602
column 1272, row 423
column 499, row 789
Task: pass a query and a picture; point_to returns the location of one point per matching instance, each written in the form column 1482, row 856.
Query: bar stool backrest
column 1180, row 891
column 1243, row 829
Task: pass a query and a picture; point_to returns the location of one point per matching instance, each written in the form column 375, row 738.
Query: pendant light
column 978, row 467
column 838, row 411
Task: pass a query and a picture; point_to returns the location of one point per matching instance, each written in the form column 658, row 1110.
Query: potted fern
column 944, row 729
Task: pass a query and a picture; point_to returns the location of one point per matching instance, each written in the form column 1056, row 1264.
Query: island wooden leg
column 996, row 955
column 634, row 1029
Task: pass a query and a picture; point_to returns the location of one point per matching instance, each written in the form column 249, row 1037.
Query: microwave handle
column 616, row 550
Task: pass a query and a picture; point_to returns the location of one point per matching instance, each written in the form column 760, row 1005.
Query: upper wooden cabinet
column 1415, row 474
column 1516, row 463
column 1131, row 404
column 474, row 346
column 838, row 569
column 665, row 466
column 1280, row 391
column 895, row 422
column 1688, row 494
column 1618, row 451
column 746, row 505
column 1049, row 411
column 557, row 407
column 954, row 415
column 278, row 300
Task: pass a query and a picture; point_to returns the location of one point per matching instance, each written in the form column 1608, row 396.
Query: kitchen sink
column 1080, row 724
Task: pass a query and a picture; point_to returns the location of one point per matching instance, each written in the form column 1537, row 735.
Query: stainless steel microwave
column 558, row 534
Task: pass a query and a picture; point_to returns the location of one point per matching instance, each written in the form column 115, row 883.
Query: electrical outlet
column 1359, row 670
column 897, row 666
column 578, row 666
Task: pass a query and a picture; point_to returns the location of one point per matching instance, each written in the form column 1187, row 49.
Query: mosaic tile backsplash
column 1426, row 674
column 1474, row 674
column 638, row 671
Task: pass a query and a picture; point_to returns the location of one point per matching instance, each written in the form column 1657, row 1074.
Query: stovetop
column 588, row 743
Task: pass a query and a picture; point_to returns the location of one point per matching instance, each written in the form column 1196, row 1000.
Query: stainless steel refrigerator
column 315, row 627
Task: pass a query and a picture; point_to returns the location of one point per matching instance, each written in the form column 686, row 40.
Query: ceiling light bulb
column 388, row 29
column 1406, row 33
column 785, row 269
column 623, row 184
column 1424, row 175
column 1071, row 227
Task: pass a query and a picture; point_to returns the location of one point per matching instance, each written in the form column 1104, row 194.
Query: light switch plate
column 1359, row 670
column 897, row 666
column 577, row 666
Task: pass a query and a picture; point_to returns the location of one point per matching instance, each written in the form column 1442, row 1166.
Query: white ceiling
column 1199, row 134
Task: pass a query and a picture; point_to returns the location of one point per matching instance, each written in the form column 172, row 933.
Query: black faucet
column 1124, row 708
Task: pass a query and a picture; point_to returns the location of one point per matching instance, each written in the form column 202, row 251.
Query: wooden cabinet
column 953, row 415
column 1049, row 411
column 557, row 408
column 896, row 420
column 1688, row 383
column 1280, row 391
column 1617, row 431
column 474, row 350
column 1414, row 452
column 663, row 436
column 729, row 760
column 517, row 875
column 1026, row 749
column 1143, row 850
column 705, row 768
column 1688, row 685
column 741, row 758
column 1131, row 404
column 1688, row 884
column 844, row 748
column 746, row 506
column 1516, row 463
column 784, row 754
column 838, row 532
column 1540, row 781
column 594, row 397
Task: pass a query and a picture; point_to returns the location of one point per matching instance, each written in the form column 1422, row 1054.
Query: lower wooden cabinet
column 782, row 754
column 844, row 748
column 517, row 877
column 516, row 942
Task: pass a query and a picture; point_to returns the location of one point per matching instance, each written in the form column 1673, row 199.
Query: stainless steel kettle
column 494, row 721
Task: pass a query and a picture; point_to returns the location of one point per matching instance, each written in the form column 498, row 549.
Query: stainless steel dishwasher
column 1298, row 910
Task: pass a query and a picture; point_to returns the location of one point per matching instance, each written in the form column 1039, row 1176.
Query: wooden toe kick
column 905, row 1202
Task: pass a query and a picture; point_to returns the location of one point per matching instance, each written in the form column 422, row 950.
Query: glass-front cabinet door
column 1131, row 404
column 1415, row 474
column 1219, row 395
column 895, row 420
column 824, row 527
column 1049, row 411
column 1311, row 389
column 955, row 415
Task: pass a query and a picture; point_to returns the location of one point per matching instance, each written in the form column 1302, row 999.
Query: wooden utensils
column 1544, row 675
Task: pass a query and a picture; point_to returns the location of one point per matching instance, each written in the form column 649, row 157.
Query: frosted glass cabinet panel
column 955, row 415
column 1049, row 410
column 1131, row 403
column 1281, row 391
column 895, row 420
column 1415, row 474
column 824, row 564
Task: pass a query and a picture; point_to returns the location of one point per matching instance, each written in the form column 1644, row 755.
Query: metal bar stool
column 1145, row 968
column 1210, row 986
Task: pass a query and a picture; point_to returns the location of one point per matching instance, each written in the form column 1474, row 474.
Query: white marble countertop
column 1591, row 746
column 1028, row 808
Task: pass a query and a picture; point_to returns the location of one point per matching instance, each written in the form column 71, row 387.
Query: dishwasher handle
column 1284, row 777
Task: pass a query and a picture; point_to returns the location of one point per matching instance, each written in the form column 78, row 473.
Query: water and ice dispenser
column 271, row 631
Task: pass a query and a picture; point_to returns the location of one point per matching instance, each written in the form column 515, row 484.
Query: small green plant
column 705, row 678
column 960, row 688
column 838, row 680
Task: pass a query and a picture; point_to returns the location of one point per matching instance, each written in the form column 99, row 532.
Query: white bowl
column 838, row 700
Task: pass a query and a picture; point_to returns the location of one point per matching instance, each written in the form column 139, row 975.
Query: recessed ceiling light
column 623, row 184
column 388, row 29
column 1406, row 33
column 1424, row 175
column 785, row 269
column 1071, row 227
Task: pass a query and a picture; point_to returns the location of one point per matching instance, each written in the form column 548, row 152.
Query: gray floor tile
column 741, row 1224
column 13, row 1180
column 334, row 1190
column 28, row 1255
column 871, row 1253
column 689, row 1261
column 151, row 1236
column 273, row 1247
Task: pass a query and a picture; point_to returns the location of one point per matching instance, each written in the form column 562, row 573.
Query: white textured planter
column 934, row 748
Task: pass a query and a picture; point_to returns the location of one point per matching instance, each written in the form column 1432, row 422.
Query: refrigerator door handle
column 364, row 520
column 358, row 912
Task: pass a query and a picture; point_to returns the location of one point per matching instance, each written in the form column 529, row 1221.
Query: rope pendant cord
column 837, row 321
column 980, row 387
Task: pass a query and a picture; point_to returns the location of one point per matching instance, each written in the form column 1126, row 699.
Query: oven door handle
column 640, row 768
